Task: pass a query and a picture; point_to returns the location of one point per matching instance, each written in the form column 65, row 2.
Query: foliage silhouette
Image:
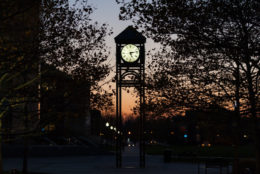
column 212, row 44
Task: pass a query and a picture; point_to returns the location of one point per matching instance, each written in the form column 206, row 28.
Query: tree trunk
column 257, row 144
column 25, row 157
column 237, row 120
column 252, row 100
column 1, row 160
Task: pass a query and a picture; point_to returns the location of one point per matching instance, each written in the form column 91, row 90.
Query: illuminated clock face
column 130, row 53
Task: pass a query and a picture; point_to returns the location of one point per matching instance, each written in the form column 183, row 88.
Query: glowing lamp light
column 111, row 127
column 129, row 133
column 107, row 124
column 185, row 136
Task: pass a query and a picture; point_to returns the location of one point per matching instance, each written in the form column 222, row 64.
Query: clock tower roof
column 130, row 35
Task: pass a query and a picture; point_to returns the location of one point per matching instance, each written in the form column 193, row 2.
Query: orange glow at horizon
column 128, row 102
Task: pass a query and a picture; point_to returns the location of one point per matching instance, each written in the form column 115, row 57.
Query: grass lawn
column 214, row 151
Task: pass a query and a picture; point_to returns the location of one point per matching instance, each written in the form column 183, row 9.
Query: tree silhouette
column 51, row 32
column 74, row 44
column 216, row 41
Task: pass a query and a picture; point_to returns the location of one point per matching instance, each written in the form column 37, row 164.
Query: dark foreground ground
column 99, row 164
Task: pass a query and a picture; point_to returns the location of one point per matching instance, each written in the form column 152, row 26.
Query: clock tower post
column 130, row 72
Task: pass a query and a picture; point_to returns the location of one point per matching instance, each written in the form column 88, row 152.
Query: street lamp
column 107, row 124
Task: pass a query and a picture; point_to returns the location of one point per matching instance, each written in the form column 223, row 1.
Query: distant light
column 43, row 129
column 235, row 104
column 172, row 133
column 151, row 132
column 202, row 145
column 245, row 136
column 101, row 134
column 129, row 133
column 107, row 124
column 185, row 136
column 111, row 127
column 218, row 135
column 118, row 132
column 114, row 128
column 209, row 145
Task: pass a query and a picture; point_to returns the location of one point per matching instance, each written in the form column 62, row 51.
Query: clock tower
column 130, row 72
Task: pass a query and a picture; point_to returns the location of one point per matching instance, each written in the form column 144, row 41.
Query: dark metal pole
column 117, row 123
column 143, row 109
column 141, row 130
column 118, row 114
column 142, row 117
column 120, row 121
